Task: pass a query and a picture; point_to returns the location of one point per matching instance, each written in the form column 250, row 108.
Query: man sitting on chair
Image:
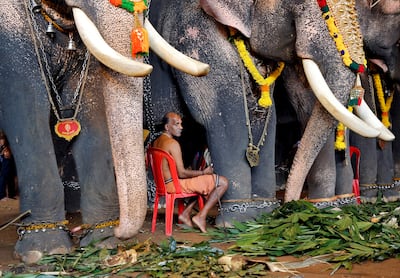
column 204, row 182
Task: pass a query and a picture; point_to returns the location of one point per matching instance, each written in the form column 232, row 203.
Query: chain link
column 43, row 59
column 247, row 113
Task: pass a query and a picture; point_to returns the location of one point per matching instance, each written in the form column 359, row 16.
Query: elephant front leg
column 251, row 192
column 45, row 230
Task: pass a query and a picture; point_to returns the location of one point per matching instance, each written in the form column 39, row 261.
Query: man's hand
column 208, row 170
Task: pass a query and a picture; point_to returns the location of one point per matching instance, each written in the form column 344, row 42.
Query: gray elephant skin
column 111, row 107
column 278, row 31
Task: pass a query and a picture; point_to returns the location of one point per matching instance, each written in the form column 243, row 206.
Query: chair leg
column 181, row 207
column 200, row 202
column 169, row 213
column 356, row 191
column 155, row 211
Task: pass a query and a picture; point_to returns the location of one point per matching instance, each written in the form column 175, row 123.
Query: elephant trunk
column 313, row 139
column 125, row 120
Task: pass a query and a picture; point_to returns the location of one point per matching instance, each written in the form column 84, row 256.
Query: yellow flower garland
column 265, row 83
column 340, row 143
column 384, row 105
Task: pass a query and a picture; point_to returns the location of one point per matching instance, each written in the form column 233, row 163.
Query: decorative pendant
column 252, row 155
column 356, row 93
column 67, row 129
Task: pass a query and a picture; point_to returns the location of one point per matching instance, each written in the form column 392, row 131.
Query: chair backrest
column 156, row 157
column 356, row 152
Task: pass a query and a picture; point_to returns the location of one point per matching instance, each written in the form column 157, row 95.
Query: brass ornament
column 346, row 20
column 67, row 128
column 356, row 93
column 252, row 155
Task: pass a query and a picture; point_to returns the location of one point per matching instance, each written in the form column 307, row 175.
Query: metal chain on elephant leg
column 242, row 205
column 372, row 193
column 84, row 229
column 335, row 201
column 41, row 227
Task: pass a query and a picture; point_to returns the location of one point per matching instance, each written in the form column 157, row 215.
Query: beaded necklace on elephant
column 66, row 128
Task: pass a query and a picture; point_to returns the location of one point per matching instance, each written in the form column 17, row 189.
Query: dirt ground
column 8, row 237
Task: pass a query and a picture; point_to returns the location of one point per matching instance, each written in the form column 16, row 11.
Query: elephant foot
column 242, row 210
column 391, row 192
column 100, row 235
column 369, row 193
column 335, row 201
column 346, row 199
column 37, row 240
column 388, row 192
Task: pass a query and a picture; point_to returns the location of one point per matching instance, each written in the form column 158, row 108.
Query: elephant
column 377, row 166
column 379, row 44
column 294, row 32
column 215, row 102
column 76, row 70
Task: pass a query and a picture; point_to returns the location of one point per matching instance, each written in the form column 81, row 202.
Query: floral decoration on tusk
column 139, row 36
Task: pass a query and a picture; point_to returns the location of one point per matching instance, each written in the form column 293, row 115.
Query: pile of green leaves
column 347, row 235
column 169, row 257
column 351, row 233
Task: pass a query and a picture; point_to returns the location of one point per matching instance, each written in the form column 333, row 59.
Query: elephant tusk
column 365, row 113
column 172, row 56
column 332, row 105
column 103, row 52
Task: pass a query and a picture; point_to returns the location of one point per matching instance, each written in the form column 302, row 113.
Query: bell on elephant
column 71, row 43
column 36, row 5
column 51, row 31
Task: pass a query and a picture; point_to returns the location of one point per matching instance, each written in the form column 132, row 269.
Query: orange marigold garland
column 139, row 35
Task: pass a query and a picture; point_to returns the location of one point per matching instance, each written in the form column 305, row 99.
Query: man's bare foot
column 199, row 223
column 185, row 219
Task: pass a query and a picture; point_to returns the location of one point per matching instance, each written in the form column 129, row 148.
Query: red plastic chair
column 356, row 180
column 155, row 157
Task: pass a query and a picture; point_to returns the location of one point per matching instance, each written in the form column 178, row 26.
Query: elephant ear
column 232, row 13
